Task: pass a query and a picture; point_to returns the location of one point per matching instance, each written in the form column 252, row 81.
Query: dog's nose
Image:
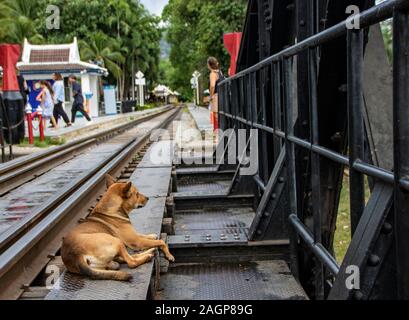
column 147, row 198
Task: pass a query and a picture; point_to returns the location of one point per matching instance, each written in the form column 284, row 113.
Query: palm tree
column 17, row 21
column 105, row 50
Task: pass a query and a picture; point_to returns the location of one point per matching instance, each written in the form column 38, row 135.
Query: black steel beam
column 401, row 147
column 355, row 47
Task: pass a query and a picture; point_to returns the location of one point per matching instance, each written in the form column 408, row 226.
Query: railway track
column 25, row 169
column 28, row 246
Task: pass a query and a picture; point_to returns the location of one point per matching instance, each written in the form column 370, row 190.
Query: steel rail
column 19, row 228
column 18, row 166
column 14, row 179
column 21, row 262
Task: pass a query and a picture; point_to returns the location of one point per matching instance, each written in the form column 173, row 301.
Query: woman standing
column 215, row 76
column 47, row 103
column 59, row 99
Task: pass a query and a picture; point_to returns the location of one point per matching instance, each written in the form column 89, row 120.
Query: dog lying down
column 98, row 246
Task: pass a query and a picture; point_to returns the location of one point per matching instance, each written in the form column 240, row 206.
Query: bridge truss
column 323, row 99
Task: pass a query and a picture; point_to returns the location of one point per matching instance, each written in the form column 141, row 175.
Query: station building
column 39, row 62
column 163, row 94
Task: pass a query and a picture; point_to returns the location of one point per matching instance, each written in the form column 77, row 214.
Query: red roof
column 50, row 55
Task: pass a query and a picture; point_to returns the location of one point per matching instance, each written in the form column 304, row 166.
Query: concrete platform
column 202, row 117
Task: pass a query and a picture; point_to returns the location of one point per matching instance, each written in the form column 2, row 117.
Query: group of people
column 52, row 98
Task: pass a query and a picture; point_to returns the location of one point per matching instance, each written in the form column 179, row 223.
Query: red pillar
column 9, row 55
column 29, row 112
column 232, row 43
column 41, row 123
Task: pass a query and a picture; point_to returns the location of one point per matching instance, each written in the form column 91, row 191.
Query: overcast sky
column 155, row 6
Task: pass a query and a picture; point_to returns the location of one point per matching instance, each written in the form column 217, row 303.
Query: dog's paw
column 152, row 236
column 171, row 258
column 150, row 257
column 126, row 277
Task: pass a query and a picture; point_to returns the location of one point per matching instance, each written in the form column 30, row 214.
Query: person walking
column 47, row 103
column 24, row 89
column 215, row 76
column 59, row 99
column 20, row 115
column 78, row 104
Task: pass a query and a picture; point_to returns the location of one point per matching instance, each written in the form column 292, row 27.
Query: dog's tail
column 95, row 274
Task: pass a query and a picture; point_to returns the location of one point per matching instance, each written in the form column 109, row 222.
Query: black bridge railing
column 246, row 102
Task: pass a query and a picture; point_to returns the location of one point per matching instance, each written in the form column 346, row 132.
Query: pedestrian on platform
column 24, row 89
column 78, row 104
column 59, row 99
column 47, row 103
column 215, row 76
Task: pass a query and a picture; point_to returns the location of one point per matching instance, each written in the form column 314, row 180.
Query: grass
column 342, row 237
column 48, row 142
column 149, row 106
column 343, row 233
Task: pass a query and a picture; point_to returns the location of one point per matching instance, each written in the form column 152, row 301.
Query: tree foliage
column 195, row 32
column 387, row 32
column 118, row 34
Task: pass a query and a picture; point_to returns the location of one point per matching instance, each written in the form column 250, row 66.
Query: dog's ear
column 110, row 180
column 127, row 190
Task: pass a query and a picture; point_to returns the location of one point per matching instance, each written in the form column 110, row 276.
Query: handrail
column 369, row 17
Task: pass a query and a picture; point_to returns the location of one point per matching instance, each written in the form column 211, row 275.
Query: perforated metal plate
column 213, row 219
column 197, row 188
column 211, row 238
column 197, row 169
column 266, row 280
column 212, row 227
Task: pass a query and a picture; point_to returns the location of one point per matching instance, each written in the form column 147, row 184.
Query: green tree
column 105, row 50
column 166, row 72
column 388, row 38
column 195, row 32
column 120, row 34
column 17, row 21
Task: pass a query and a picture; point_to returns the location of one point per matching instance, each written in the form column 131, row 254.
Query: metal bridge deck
column 200, row 223
column 261, row 280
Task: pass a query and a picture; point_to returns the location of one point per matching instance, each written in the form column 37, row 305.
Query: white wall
column 89, row 83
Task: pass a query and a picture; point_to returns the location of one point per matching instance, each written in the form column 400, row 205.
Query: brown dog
column 97, row 246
